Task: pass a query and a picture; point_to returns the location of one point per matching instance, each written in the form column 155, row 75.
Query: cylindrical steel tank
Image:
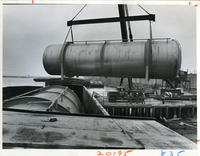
column 117, row 59
column 55, row 98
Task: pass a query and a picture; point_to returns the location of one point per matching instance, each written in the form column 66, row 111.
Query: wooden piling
column 133, row 111
column 140, row 111
column 166, row 112
column 126, row 111
column 161, row 112
column 147, row 112
column 153, row 111
column 192, row 111
column 179, row 112
column 175, row 111
column 188, row 111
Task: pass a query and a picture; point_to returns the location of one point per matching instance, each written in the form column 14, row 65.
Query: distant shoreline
column 19, row 76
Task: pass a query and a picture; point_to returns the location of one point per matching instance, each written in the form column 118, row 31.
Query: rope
column 79, row 12
column 143, row 9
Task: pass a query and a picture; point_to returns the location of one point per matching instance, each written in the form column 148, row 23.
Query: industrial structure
column 115, row 59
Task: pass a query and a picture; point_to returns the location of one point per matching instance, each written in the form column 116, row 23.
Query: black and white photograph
column 114, row 78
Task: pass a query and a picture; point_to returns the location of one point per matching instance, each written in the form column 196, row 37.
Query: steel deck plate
column 33, row 130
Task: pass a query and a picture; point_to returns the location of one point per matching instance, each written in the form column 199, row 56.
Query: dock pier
column 151, row 108
column 158, row 111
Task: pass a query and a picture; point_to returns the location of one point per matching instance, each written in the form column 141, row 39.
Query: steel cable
column 79, row 12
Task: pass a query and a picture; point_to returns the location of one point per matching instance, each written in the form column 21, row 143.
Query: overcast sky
column 29, row 29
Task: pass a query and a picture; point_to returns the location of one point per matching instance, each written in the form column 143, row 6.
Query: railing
column 117, row 40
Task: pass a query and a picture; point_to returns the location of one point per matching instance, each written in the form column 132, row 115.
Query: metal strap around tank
column 102, row 54
column 67, row 91
column 146, row 59
column 61, row 95
column 151, row 48
column 148, row 56
column 62, row 53
column 64, row 45
column 55, row 101
column 177, row 42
